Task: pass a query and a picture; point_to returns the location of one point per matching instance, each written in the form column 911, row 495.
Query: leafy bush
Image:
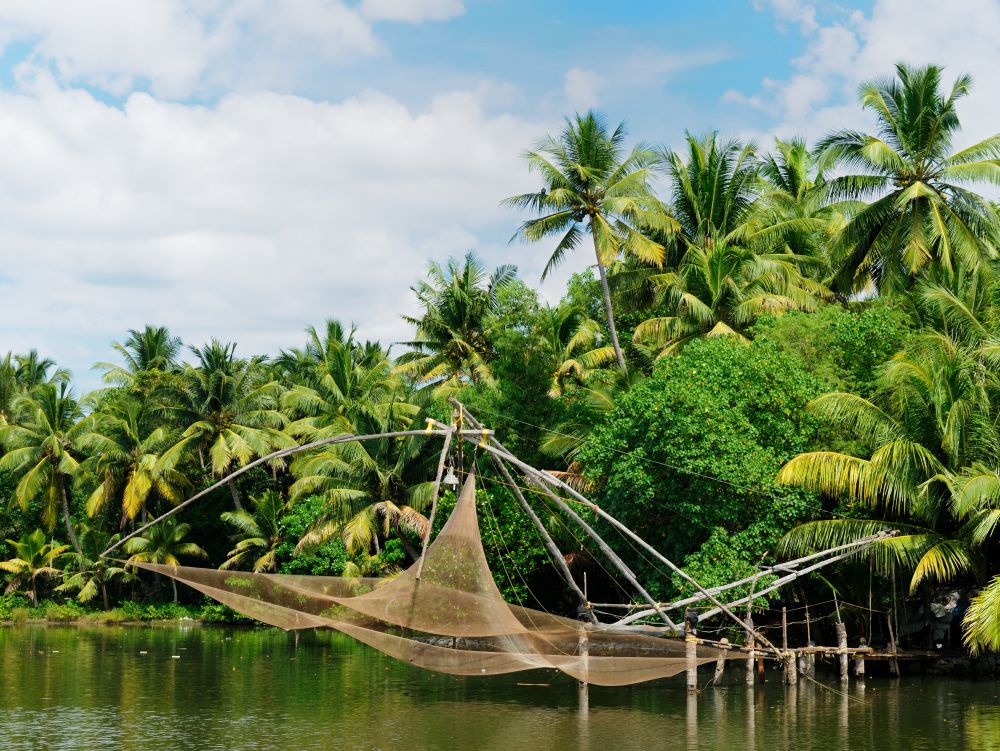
column 688, row 458
column 63, row 612
column 327, row 559
column 10, row 602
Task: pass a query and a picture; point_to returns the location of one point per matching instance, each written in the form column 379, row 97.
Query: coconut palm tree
column 90, row 573
column 34, row 559
column 794, row 194
column 932, row 420
column 258, row 535
column 231, row 412
column 127, row 442
column 592, row 186
column 452, row 343
column 573, row 341
column 370, row 492
column 43, row 446
column 721, row 290
column 164, row 543
column 148, row 357
column 923, row 213
column 21, row 373
column 347, row 386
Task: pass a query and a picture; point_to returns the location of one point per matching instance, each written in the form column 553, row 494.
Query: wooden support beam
column 720, row 662
column 434, row 501
column 842, row 650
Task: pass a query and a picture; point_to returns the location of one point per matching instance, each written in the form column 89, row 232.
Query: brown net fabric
column 452, row 619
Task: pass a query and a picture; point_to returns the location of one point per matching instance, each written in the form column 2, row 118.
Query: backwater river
column 185, row 686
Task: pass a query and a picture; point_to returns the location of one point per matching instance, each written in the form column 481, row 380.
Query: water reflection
column 179, row 688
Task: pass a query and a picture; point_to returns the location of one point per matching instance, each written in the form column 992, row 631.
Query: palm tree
column 34, row 558
column 164, row 543
column 572, row 340
column 231, row 411
column 794, row 188
column 43, row 446
column 369, row 491
column 452, row 344
column 721, row 290
column 21, row 373
column 592, row 186
column 127, row 443
column 91, row 571
column 923, row 214
column 931, row 421
column 147, row 356
column 346, row 386
column 258, row 535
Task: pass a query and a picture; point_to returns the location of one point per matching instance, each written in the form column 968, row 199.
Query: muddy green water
column 190, row 687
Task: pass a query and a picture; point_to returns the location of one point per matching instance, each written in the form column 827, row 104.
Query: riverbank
column 18, row 610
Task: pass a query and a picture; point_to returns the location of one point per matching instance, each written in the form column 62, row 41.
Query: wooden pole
column 859, row 660
column 720, row 662
column 550, row 545
column 791, row 674
column 691, row 653
column 750, row 653
column 842, row 650
column 434, row 502
column 893, row 662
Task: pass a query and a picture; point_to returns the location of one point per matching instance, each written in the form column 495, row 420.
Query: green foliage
column 326, row 559
column 694, row 450
column 10, row 602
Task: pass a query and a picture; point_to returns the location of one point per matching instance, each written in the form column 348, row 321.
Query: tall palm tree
column 34, row 559
column 128, row 442
column 922, row 212
column 452, row 344
column 91, row 572
column 43, row 446
column 231, row 411
column 164, row 543
column 21, row 373
column 258, row 535
column 592, row 186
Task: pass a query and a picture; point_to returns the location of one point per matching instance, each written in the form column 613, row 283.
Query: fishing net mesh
column 448, row 617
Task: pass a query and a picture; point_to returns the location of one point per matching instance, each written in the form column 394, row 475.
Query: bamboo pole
column 557, row 557
column 281, row 454
column 434, row 501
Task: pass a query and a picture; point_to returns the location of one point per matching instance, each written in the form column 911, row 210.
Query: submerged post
column 720, row 662
column 842, row 651
column 893, row 662
column 750, row 653
column 859, row 661
column 691, row 647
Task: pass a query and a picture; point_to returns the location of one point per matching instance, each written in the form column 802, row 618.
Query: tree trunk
column 69, row 523
column 236, row 494
column 104, row 596
column 606, row 291
column 173, row 583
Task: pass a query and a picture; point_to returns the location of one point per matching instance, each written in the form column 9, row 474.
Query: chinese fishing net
column 452, row 619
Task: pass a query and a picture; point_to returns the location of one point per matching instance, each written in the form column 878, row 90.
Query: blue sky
column 228, row 169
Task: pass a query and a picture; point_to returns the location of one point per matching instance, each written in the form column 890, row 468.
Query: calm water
column 122, row 688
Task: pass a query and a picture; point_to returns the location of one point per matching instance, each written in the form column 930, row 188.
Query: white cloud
column 246, row 220
column 582, row 88
column 183, row 48
column 821, row 94
column 411, row 11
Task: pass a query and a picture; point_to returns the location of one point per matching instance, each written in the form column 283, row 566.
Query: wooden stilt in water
column 720, row 663
column 791, row 673
column 893, row 662
column 842, row 647
column 750, row 655
column 691, row 645
column 859, row 661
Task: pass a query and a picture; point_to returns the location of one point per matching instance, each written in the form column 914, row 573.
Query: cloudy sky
column 244, row 168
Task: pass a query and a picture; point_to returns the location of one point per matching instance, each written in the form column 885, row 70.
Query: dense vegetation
column 779, row 351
